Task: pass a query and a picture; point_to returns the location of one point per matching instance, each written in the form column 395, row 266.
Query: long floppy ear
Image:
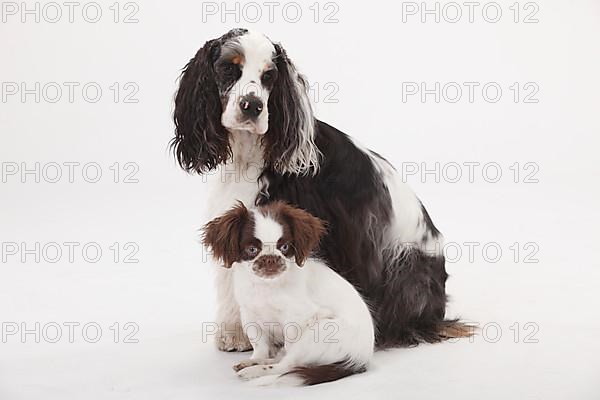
column 289, row 141
column 223, row 234
column 201, row 142
column 306, row 230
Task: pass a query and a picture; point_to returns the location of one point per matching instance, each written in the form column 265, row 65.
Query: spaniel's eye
column 268, row 76
column 227, row 68
column 252, row 250
column 284, row 248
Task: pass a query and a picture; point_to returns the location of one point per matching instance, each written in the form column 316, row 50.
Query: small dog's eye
column 284, row 247
column 252, row 250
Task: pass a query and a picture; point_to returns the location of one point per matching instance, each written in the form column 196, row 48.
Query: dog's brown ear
column 306, row 230
column 223, row 234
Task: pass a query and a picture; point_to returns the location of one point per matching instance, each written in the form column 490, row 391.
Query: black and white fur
column 243, row 117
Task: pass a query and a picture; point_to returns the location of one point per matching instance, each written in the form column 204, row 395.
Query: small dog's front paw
column 254, row 371
column 230, row 341
column 244, row 364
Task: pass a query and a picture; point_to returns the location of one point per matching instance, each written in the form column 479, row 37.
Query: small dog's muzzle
column 268, row 266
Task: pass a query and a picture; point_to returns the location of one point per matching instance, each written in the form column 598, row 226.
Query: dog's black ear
column 201, row 142
column 288, row 143
column 223, row 234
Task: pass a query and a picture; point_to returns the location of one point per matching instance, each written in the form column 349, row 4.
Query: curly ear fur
column 223, row 234
column 289, row 142
column 201, row 142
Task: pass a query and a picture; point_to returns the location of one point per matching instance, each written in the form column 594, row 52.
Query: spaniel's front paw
column 234, row 340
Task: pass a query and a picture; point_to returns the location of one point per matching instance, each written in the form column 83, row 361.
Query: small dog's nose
column 270, row 261
column 268, row 266
column 251, row 106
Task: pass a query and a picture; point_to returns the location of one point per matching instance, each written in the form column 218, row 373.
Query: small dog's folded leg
column 252, row 362
column 258, row 366
column 255, row 371
column 260, row 355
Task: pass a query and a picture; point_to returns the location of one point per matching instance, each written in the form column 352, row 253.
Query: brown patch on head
column 301, row 230
column 232, row 52
column 229, row 234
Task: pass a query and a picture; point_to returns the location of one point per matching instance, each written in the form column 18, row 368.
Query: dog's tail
column 410, row 307
column 311, row 375
column 454, row 329
column 409, row 335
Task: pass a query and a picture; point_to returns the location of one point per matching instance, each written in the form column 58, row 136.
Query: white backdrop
column 115, row 257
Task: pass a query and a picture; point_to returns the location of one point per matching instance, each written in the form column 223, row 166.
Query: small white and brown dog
column 306, row 323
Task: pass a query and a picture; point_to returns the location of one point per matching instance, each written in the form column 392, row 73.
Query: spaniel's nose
column 251, row 106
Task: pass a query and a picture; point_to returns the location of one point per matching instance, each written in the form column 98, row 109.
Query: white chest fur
column 236, row 180
column 284, row 300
